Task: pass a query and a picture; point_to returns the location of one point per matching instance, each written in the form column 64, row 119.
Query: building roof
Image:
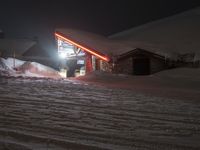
column 8, row 46
column 95, row 42
column 36, row 51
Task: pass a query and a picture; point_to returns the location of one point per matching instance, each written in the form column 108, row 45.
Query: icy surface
column 70, row 114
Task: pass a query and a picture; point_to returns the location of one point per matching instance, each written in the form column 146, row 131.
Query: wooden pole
column 14, row 59
column 88, row 63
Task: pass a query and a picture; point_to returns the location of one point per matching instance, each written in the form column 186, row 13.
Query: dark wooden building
column 140, row 62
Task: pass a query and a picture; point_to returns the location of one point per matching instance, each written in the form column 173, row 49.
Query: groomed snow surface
column 101, row 111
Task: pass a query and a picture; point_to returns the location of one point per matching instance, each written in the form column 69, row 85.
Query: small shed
column 140, row 62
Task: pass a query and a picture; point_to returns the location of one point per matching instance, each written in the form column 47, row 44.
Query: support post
column 88, row 63
column 14, row 59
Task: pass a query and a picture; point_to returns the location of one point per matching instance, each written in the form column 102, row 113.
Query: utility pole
column 14, row 59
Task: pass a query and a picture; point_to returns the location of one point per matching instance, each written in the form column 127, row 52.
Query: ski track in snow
column 61, row 114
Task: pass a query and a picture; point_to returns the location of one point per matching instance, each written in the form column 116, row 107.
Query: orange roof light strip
column 82, row 47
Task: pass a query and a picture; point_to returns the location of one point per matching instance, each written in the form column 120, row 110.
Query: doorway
column 141, row 66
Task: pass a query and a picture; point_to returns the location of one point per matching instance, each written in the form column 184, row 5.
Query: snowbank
column 18, row 67
column 104, row 77
column 181, row 74
column 174, row 80
column 177, row 73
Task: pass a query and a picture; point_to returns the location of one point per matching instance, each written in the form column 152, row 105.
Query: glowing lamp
column 62, row 55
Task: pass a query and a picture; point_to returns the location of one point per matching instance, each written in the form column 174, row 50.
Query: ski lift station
column 147, row 49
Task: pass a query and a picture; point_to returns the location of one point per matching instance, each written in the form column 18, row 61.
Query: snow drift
column 174, row 80
column 16, row 68
column 181, row 74
column 190, row 74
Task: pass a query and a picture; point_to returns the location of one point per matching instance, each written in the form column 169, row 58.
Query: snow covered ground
column 179, row 83
column 101, row 111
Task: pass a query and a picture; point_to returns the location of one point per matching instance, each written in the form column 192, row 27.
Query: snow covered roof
column 176, row 34
column 36, row 51
column 95, row 42
column 7, row 46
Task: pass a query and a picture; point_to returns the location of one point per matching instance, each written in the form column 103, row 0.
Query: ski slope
column 51, row 114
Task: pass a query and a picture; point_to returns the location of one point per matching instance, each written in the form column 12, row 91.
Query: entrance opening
column 141, row 66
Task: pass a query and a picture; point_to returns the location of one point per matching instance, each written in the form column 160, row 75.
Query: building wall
column 105, row 66
column 97, row 64
column 156, row 65
column 2, row 35
column 124, row 66
column 88, row 64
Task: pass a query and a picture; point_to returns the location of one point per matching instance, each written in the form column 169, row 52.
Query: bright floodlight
column 62, row 55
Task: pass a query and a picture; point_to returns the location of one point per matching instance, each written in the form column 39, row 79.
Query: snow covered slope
column 176, row 34
column 168, row 83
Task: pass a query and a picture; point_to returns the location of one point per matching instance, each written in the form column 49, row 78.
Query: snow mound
column 16, row 68
column 179, row 78
column 181, row 73
column 104, row 77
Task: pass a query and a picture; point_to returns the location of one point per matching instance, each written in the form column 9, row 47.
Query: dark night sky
column 29, row 18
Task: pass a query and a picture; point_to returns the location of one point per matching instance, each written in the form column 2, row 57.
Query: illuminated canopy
column 93, row 52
